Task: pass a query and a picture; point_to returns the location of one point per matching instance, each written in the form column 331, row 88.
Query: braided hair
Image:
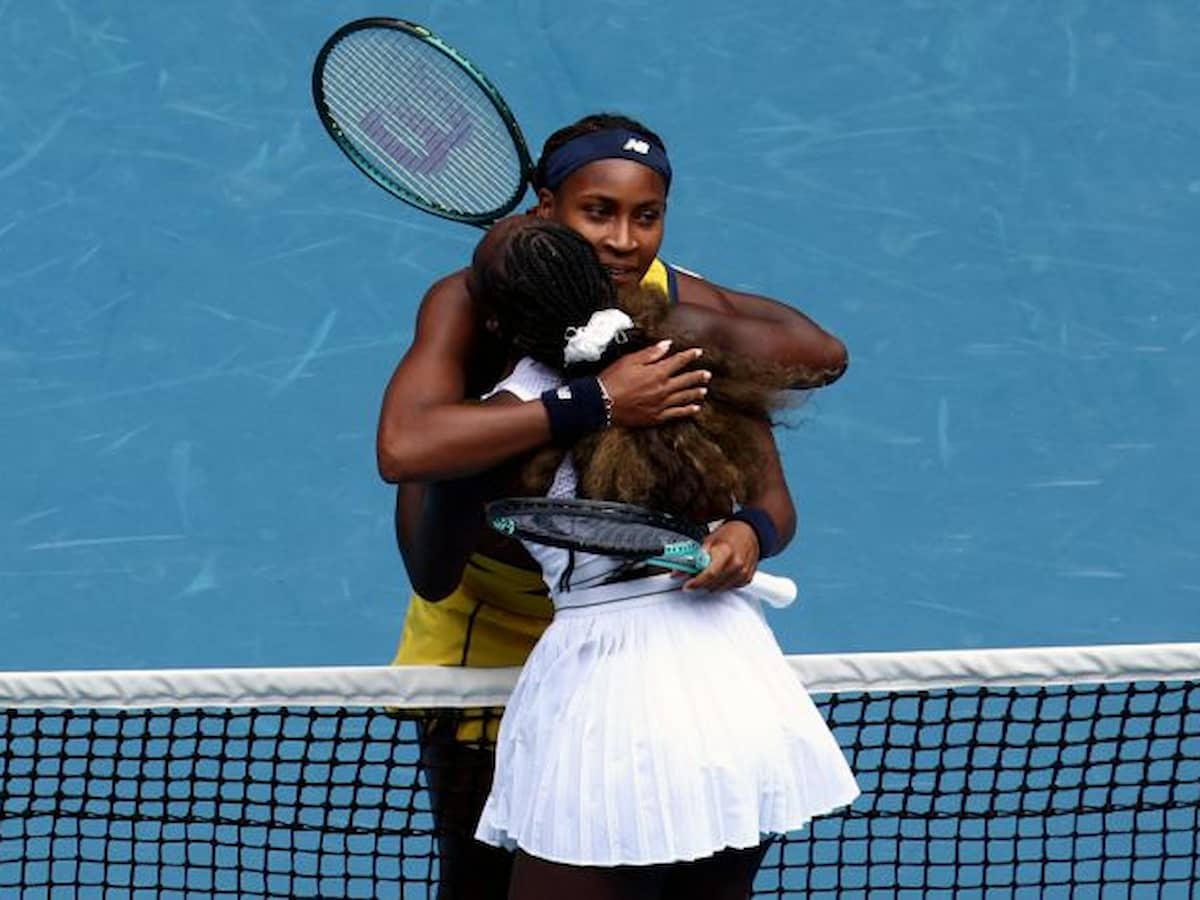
column 588, row 125
column 547, row 280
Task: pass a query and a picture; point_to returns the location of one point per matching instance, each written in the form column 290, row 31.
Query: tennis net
column 1005, row 773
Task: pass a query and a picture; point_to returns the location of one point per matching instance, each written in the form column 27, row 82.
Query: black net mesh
column 1086, row 790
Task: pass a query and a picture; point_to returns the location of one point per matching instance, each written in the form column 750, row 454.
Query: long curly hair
column 547, row 280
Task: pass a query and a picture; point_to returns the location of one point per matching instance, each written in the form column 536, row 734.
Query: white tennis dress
column 651, row 725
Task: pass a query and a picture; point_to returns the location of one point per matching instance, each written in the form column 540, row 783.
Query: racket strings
column 419, row 113
column 462, row 181
column 606, row 536
column 608, row 529
column 421, row 119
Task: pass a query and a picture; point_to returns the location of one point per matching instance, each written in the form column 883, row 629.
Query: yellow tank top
column 661, row 277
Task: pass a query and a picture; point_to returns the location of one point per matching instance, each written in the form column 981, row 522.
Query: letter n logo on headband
column 642, row 147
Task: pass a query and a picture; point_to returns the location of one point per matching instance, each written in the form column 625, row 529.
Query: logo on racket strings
column 418, row 132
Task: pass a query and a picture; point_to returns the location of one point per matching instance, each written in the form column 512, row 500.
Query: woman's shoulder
column 694, row 291
column 452, row 288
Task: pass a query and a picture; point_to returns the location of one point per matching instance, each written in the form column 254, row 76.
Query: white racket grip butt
column 774, row 590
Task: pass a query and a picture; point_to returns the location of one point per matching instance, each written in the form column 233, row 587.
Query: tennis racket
column 622, row 530
column 416, row 117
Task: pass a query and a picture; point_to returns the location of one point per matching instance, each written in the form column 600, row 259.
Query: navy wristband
column 575, row 408
column 764, row 529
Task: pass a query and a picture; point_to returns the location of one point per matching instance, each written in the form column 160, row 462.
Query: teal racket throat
column 682, row 556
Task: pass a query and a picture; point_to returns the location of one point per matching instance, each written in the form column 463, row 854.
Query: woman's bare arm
column 734, row 545
column 766, row 328
column 427, row 432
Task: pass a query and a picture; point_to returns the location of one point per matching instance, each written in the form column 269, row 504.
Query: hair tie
column 587, row 343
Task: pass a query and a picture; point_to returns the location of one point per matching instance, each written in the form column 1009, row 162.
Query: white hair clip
column 588, row 342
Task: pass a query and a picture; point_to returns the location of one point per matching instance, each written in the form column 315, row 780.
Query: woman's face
column 619, row 206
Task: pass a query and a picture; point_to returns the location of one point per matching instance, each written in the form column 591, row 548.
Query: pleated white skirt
column 659, row 729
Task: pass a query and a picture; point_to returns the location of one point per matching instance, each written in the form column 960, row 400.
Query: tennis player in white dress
column 650, row 725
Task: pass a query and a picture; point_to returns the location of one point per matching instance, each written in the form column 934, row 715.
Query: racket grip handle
column 774, row 590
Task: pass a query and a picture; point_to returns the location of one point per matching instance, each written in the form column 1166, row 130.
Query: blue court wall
column 996, row 205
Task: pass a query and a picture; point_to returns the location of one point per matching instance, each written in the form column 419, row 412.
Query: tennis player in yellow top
column 607, row 177
column 496, row 613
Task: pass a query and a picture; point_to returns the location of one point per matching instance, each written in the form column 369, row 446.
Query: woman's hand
column 733, row 551
column 654, row 385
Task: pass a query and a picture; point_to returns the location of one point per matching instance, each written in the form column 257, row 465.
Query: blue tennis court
column 995, row 206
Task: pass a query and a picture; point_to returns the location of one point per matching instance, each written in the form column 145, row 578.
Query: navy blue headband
column 612, row 143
